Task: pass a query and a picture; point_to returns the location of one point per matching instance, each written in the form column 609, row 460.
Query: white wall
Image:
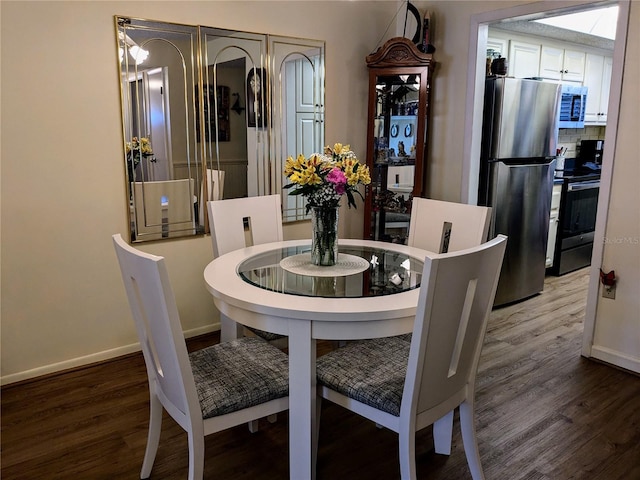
column 616, row 333
column 63, row 187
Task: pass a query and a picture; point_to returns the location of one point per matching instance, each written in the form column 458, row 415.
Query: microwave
column 573, row 102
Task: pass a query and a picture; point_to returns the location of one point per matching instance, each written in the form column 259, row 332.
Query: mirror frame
column 268, row 142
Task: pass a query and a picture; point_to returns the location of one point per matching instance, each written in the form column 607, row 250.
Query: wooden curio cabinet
column 399, row 89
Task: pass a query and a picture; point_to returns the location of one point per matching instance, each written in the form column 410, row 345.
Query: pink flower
column 339, row 180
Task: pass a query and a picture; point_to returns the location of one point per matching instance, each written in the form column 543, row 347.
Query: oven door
column 580, row 208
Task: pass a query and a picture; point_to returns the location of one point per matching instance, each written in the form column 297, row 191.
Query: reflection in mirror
column 157, row 71
column 212, row 122
column 298, row 107
column 237, row 144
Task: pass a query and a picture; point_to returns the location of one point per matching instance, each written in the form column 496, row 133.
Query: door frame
column 478, row 34
column 159, row 121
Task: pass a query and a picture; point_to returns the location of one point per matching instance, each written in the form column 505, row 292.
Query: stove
column 577, row 220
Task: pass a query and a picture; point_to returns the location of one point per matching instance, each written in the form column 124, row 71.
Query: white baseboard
column 93, row 358
column 616, row 358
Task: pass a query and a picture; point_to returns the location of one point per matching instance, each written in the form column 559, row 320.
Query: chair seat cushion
column 369, row 371
column 242, row 373
column 406, row 337
column 268, row 336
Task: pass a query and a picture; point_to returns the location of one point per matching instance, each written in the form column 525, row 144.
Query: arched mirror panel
column 210, row 114
column 158, row 79
column 235, row 147
column 298, row 110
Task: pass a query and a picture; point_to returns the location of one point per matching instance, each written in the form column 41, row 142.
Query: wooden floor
column 543, row 413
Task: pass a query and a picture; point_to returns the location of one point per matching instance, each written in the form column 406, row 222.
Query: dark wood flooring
column 543, row 413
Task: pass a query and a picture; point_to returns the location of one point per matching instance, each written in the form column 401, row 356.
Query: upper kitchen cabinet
column 552, row 59
column 561, row 64
column 597, row 78
column 524, row 59
column 498, row 46
column 399, row 91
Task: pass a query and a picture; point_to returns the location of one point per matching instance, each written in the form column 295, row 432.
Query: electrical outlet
column 609, row 291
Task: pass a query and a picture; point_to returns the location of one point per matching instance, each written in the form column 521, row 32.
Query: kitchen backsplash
column 571, row 137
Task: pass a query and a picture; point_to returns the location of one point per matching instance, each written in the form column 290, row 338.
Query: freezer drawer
column 520, row 197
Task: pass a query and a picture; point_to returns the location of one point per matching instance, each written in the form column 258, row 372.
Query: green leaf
column 350, row 200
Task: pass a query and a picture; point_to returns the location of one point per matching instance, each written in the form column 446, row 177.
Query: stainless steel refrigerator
column 520, row 134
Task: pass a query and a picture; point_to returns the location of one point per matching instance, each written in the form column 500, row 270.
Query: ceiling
column 600, row 25
column 600, row 22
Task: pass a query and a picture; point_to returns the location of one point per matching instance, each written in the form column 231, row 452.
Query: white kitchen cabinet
column 553, row 224
column 597, row 78
column 524, row 59
column 562, row 64
column 498, row 45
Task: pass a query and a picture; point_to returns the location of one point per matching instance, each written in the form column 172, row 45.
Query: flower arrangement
column 324, row 177
column 136, row 149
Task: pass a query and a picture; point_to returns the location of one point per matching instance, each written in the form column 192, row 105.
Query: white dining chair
column 440, row 227
column 214, row 180
column 238, row 223
column 206, row 391
column 163, row 209
column 408, row 386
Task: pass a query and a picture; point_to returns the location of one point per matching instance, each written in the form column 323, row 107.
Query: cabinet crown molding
column 398, row 52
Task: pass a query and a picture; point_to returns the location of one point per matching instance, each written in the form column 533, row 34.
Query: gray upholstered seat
column 239, row 374
column 370, row 371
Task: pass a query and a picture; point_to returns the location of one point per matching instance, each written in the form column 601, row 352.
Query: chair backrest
column 214, row 180
column 164, row 209
column 442, row 227
column 456, row 297
column 263, row 216
column 157, row 321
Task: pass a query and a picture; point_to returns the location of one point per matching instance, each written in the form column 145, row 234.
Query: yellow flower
column 338, row 149
column 145, row 145
column 359, row 176
column 364, row 175
column 311, row 176
column 314, row 160
column 296, row 177
column 307, row 177
column 314, row 179
column 289, row 166
column 342, row 149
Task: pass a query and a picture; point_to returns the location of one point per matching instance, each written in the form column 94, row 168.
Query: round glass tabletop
column 361, row 271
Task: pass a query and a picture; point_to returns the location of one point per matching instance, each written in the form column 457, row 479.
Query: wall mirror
column 298, row 69
column 399, row 90
column 209, row 114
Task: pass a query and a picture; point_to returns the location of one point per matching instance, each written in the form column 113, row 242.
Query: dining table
column 372, row 291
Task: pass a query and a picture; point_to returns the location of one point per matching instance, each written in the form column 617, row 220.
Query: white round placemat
column 346, row 265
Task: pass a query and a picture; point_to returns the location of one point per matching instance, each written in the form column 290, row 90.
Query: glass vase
column 324, row 242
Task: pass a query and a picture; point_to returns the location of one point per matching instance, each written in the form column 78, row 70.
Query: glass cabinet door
column 397, row 139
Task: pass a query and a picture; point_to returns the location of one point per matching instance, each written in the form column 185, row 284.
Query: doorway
column 157, row 84
column 150, row 118
column 473, row 121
